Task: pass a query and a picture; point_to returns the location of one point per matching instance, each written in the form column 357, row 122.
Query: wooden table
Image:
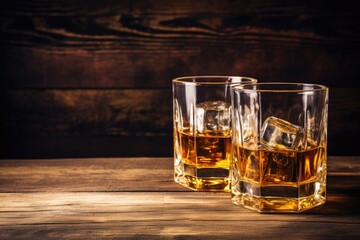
column 136, row 198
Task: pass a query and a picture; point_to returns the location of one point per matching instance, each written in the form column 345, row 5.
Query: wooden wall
column 93, row 78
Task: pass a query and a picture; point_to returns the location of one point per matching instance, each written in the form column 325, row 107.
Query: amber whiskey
column 269, row 180
column 202, row 160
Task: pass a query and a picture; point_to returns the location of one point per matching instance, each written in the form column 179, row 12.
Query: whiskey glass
column 202, row 131
column 279, row 136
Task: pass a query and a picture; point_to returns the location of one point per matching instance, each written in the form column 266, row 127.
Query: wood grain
column 128, row 174
column 157, row 215
column 100, row 198
column 88, row 112
column 147, row 43
column 100, row 174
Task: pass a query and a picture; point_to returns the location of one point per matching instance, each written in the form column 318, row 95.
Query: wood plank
column 190, row 215
column 154, row 68
column 343, row 165
column 86, row 146
column 69, row 202
column 101, row 113
column 147, row 43
column 93, row 7
column 100, row 174
column 343, row 121
column 88, row 112
column 131, row 174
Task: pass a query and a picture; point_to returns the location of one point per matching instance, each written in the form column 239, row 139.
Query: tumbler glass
column 202, row 131
column 279, row 136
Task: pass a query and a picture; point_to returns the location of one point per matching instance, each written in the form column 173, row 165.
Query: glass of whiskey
column 279, row 136
column 202, row 131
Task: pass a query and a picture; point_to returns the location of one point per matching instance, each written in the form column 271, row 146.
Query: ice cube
column 213, row 116
column 279, row 134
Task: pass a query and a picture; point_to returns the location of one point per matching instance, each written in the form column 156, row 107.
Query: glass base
column 202, row 179
column 280, row 198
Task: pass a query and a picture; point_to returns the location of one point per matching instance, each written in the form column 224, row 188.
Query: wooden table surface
column 136, row 198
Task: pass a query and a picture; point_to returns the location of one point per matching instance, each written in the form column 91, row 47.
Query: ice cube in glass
column 280, row 134
column 213, row 116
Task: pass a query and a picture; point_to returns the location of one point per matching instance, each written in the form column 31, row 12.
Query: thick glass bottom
column 202, row 179
column 292, row 199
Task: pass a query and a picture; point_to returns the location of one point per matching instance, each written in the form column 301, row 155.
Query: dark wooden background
column 93, row 78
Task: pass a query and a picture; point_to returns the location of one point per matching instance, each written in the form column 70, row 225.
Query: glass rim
column 312, row 87
column 201, row 80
